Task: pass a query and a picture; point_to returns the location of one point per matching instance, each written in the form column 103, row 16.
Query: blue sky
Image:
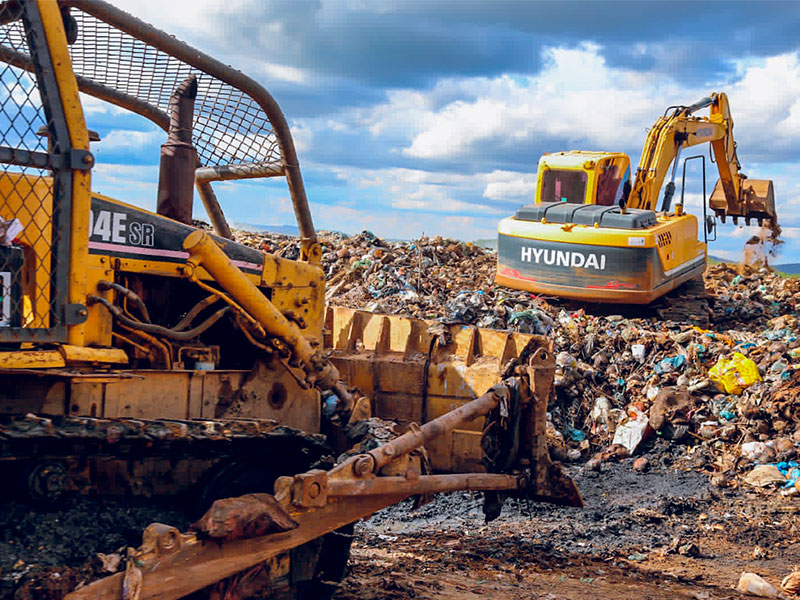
column 414, row 116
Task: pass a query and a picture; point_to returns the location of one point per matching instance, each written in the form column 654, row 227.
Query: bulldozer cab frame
column 55, row 50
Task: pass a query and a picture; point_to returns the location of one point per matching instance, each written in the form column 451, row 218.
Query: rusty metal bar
column 370, row 463
column 214, row 210
column 239, row 171
column 426, row 484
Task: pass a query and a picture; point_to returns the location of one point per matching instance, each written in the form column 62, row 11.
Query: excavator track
column 687, row 304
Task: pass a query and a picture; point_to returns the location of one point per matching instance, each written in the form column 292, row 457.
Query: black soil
column 53, row 543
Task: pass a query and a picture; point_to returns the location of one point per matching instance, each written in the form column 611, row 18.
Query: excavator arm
column 735, row 195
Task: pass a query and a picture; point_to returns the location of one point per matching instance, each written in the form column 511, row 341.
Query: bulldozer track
column 49, row 456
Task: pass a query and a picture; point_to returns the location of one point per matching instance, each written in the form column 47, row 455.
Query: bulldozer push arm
column 734, row 196
column 171, row 564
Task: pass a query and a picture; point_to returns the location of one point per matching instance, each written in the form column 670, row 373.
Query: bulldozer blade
column 416, row 370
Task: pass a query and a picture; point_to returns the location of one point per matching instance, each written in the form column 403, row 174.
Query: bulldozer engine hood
column 123, row 231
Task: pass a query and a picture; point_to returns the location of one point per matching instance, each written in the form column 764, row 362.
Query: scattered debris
column 791, row 583
column 724, row 393
column 750, row 583
column 765, row 476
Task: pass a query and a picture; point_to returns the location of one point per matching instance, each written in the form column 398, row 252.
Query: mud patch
column 625, row 511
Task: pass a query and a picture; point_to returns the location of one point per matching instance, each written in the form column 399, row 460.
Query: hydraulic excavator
column 593, row 236
column 142, row 356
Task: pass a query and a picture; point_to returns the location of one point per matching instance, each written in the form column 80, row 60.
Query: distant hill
column 788, row 268
column 284, row 229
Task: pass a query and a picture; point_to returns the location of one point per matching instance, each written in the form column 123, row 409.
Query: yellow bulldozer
column 141, row 356
column 595, row 236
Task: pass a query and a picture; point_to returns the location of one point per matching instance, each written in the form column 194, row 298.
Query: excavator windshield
column 564, row 185
column 613, row 175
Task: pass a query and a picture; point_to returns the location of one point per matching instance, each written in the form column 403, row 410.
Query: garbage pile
column 724, row 393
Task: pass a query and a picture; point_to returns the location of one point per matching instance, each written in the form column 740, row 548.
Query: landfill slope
column 683, row 439
column 621, row 378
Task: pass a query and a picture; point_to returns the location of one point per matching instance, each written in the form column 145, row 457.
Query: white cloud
column 303, row 138
column 286, row 73
column 764, row 103
column 437, row 192
column 95, row 106
column 135, row 184
column 576, row 96
column 184, row 15
column 126, row 139
column 510, row 184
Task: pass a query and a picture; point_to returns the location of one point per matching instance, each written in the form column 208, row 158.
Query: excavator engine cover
column 596, row 253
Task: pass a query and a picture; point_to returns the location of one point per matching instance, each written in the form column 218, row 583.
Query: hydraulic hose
column 158, row 329
column 130, row 295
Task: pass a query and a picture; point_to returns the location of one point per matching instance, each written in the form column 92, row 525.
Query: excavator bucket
column 757, row 202
column 415, row 370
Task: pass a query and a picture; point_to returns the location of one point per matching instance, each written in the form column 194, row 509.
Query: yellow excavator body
column 595, row 263
column 593, row 235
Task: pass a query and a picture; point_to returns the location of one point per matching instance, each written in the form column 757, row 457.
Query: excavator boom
column 734, row 196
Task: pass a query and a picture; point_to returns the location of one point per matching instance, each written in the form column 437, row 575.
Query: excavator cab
column 579, row 177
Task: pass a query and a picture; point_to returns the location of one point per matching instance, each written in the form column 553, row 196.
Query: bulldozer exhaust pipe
column 178, row 156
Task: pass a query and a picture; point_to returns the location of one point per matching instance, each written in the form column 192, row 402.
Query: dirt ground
column 663, row 533
column 659, row 534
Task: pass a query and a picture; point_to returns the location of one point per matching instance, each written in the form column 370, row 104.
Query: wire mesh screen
column 27, row 233
column 229, row 127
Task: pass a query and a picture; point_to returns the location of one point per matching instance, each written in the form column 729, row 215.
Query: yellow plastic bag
column 734, row 374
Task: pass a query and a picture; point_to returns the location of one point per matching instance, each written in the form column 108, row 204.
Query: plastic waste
column 670, row 364
column 750, row 583
column 757, row 451
column 600, row 410
column 631, row 431
column 566, row 361
column 329, row 405
column 576, row 435
column 734, row 374
column 638, row 352
column 791, row 471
